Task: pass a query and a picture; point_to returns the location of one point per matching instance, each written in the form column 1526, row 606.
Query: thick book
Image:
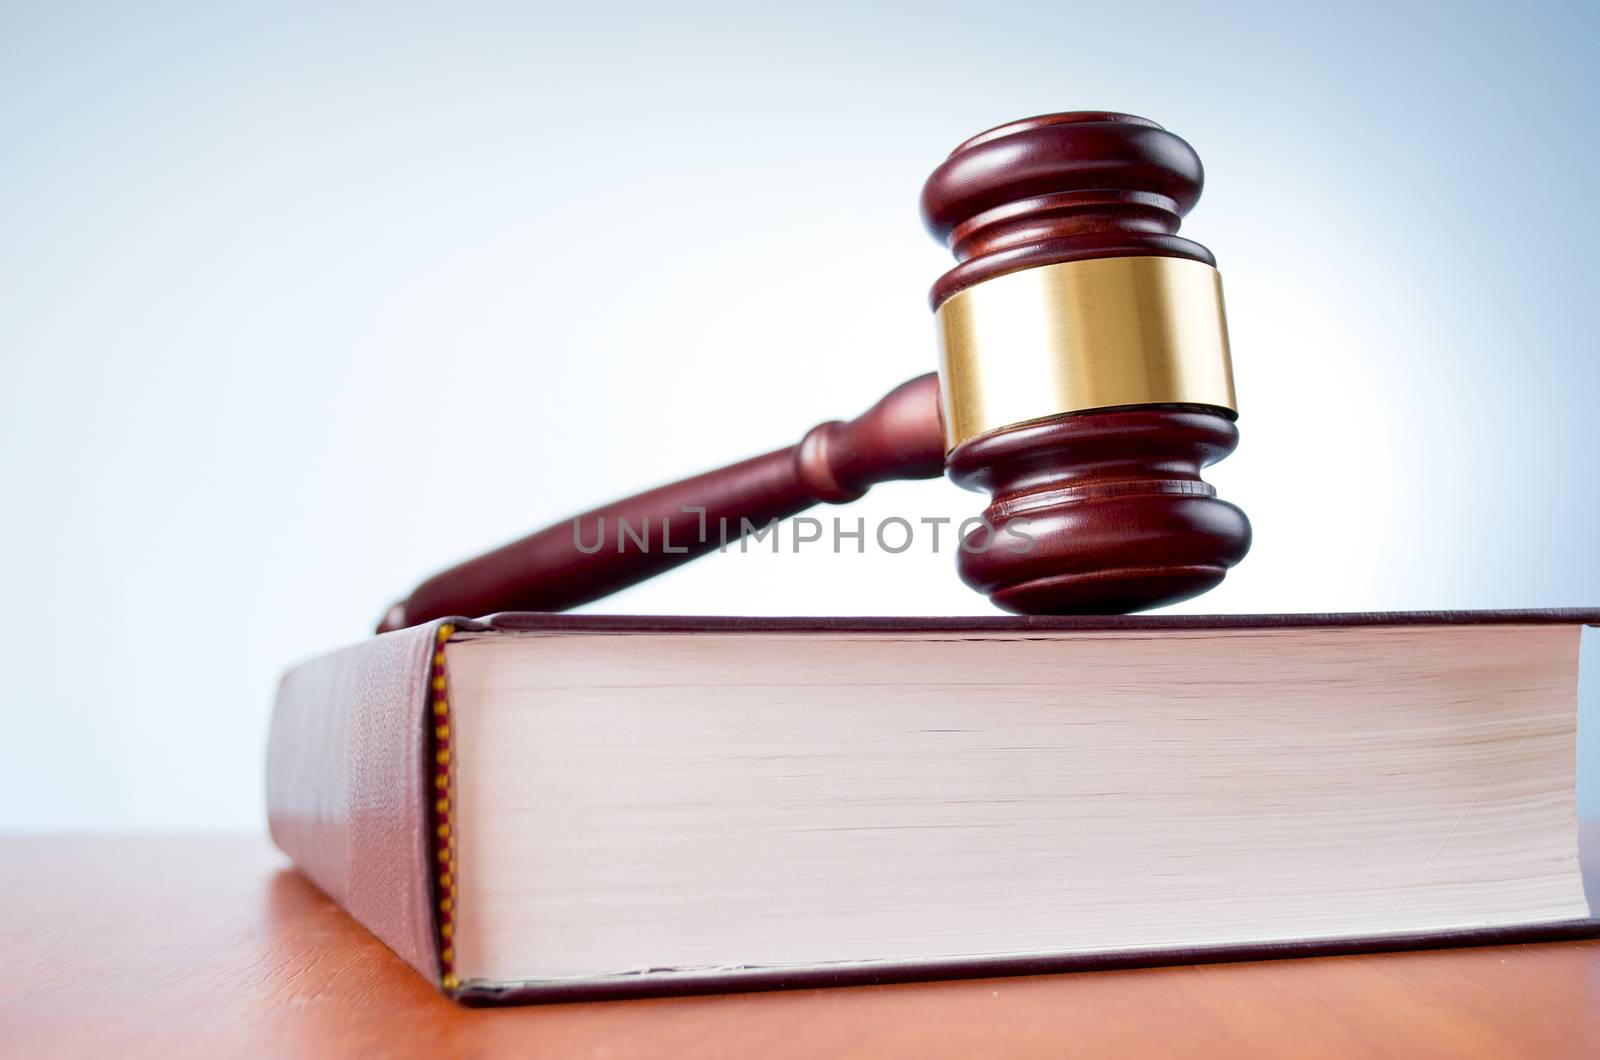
column 539, row 807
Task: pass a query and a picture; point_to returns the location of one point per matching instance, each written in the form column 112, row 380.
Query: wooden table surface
column 213, row 946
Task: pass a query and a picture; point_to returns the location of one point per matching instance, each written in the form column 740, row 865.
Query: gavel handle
column 620, row 544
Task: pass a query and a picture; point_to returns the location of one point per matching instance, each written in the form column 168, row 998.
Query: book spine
column 350, row 779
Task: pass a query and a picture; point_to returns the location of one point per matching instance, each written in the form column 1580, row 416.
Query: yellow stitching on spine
column 444, row 832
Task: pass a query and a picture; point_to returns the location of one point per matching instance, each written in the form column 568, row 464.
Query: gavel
column 1084, row 382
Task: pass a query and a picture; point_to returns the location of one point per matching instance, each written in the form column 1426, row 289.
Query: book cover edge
column 678, row 984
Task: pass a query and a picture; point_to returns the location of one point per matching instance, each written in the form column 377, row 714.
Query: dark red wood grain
column 901, row 437
column 1102, row 512
column 1118, row 517
column 1110, row 502
column 1059, row 188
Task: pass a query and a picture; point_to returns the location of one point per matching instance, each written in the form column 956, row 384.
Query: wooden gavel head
column 1084, row 382
column 1085, row 376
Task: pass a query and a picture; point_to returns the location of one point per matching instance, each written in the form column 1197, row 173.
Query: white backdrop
column 297, row 307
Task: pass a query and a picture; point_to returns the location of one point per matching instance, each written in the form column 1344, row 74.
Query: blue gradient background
column 297, row 305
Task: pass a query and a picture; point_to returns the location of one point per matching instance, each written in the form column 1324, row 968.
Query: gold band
column 1082, row 335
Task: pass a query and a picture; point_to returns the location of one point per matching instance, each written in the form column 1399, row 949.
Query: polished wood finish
column 1058, row 188
column 614, row 546
column 1119, row 518
column 207, row 947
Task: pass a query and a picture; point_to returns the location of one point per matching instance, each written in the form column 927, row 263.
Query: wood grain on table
column 213, row 946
